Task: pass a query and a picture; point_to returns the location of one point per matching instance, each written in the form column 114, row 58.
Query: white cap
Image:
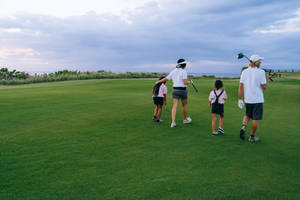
column 255, row 58
column 181, row 63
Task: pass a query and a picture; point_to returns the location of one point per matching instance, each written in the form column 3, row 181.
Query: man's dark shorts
column 179, row 94
column 254, row 111
column 158, row 100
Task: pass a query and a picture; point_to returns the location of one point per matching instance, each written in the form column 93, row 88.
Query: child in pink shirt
column 159, row 93
column 216, row 102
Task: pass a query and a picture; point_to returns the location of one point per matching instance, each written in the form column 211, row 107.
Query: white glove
column 156, row 82
column 241, row 104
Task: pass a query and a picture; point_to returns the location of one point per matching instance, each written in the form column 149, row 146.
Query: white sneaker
column 254, row 139
column 187, row 120
column 214, row 133
column 173, row 125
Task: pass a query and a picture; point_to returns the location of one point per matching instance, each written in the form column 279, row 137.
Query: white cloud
column 151, row 38
column 18, row 52
column 66, row 8
column 290, row 25
column 11, row 30
column 212, row 66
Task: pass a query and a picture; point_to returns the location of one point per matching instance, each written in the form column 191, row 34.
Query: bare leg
column 254, row 127
column 174, row 109
column 184, row 108
column 246, row 120
column 244, row 126
column 221, row 121
column 155, row 111
column 158, row 111
column 213, row 122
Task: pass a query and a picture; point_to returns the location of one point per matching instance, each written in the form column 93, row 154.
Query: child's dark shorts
column 217, row 109
column 158, row 100
column 254, row 111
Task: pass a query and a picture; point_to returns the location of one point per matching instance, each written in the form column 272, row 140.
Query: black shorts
column 158, row 100
column 254, row 111
column 179, row 94
column 217, row 109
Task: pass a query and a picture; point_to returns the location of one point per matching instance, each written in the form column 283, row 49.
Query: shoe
column 253, row 139
column 159, row 121
column 214, row 133
column 187, row 120
column 154, row 117
column 221, row 131
column 173, row 125
column 243, row 132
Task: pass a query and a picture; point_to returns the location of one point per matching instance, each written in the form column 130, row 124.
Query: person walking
column 217, row 99
column 252, row 83
column 180, row 82
column 159, row 95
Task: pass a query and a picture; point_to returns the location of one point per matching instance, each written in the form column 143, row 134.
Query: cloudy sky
column 147, row 35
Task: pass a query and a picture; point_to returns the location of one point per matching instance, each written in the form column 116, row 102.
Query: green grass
column 95, row 140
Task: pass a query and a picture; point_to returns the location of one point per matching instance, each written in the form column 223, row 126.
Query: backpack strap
column 219, row 94
column 215, row 93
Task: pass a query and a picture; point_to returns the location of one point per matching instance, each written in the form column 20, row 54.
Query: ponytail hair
column 181, row 63
column 156, row 87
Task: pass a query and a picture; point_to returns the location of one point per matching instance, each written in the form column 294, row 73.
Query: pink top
column 162, row 90
column 212, row 97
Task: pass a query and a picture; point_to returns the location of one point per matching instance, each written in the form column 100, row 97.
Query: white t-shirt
column 253, row 78
column 176, row 76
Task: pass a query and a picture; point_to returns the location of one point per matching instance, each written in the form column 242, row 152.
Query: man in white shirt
column 252, row 83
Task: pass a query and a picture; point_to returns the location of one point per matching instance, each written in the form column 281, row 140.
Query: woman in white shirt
column 180, row 82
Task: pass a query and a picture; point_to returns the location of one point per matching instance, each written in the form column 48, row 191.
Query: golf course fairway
column 95, row 139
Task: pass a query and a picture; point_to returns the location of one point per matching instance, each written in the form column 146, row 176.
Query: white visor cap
column 255, row 58
column 181, row 63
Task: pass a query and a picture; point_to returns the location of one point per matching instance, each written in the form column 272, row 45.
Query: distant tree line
column 16, row 78
column 276, row 70
column 286, row 70
column 5, row 74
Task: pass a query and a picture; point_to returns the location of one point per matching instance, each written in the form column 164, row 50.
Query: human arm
column 162, row 80
column 165, row 94
column 210, row 99
column 241, row 87
column 186, row 82
column 264, row 84
column 241, row 91
column 185, row 78
column 225, row 95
